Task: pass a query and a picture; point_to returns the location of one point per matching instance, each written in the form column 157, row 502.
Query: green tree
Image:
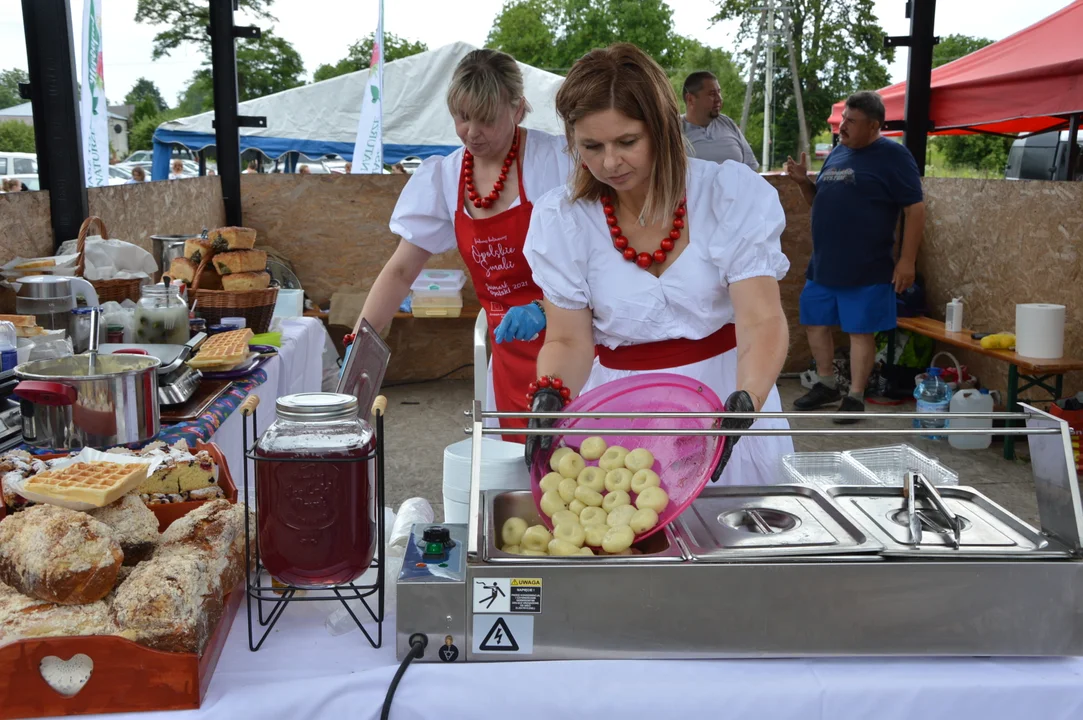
column 360, row 53
column 553, row 34
column 141, row 136
column 145, row 89
column 16, row 136
column 983, row 152
column 186, row 21
column 145, row 108
column 839, row 47
column 9, row 87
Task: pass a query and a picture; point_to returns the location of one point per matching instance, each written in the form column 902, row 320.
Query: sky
column 323, row 34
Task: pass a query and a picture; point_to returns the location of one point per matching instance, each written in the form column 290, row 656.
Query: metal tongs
column 915, row 484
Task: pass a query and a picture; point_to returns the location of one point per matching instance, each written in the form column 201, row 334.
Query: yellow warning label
column 526, row 582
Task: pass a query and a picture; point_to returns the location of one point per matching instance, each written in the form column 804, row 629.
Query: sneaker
column 850, row 404
column 817, row 397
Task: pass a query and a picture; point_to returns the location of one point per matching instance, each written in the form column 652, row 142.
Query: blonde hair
column 622, row 77
column 485, row 83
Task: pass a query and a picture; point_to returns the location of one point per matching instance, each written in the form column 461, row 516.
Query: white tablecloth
column 302, row 672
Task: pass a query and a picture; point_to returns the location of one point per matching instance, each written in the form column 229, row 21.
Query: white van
column 14, row 163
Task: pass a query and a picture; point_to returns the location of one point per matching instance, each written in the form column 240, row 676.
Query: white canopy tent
column 321, row 118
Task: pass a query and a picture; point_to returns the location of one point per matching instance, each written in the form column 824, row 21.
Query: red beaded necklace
column 643, row 260
column 498, row 186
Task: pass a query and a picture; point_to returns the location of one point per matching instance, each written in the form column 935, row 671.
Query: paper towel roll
column 1039, row 330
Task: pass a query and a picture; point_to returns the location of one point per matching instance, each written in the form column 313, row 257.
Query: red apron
column 492, row 249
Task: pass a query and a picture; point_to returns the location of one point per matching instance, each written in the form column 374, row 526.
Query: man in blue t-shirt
column 852, row 278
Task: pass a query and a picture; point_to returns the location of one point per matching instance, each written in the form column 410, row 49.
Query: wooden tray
column 207, row 392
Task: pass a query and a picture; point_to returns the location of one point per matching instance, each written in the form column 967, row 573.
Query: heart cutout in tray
column 67, row 677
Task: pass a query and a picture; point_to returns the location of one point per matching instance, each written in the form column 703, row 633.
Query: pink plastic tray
column 683, row 463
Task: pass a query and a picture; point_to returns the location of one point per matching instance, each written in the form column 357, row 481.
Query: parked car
column 822, row 150
column 139, row 157
column 16, row 163
column 1040, row 157
column 410, row 164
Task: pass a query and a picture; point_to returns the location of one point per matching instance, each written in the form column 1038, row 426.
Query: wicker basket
column 255, row 306
column 116, row 290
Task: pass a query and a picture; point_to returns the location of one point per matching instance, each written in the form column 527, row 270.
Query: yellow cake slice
column 180, row 471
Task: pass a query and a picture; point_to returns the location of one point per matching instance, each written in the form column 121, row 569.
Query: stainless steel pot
column 65, row 406
column 167, row 247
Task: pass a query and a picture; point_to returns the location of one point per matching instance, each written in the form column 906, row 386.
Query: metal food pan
column 825, row 469
column 888, row 464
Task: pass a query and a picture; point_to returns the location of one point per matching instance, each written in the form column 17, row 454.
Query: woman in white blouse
column 478, row 200
column 651, row 261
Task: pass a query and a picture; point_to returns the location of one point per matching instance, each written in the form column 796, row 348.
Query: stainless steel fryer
column 775, row 571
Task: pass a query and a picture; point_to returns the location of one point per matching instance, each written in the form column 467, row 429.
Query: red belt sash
column 668, row 353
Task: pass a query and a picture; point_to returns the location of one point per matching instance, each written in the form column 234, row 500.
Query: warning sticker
column 526, row 595
column 492, row 595
column 506, row 634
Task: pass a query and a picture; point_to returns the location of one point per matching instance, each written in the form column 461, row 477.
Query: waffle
column 228, row 348
column 96, row 483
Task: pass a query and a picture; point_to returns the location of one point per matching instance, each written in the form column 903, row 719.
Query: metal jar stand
column 271, row 597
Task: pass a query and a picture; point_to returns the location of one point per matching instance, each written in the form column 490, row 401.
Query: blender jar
column 161, row 316
column 315, row 491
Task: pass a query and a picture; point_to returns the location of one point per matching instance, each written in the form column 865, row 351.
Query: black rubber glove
column 545, row 400
column 738, row 402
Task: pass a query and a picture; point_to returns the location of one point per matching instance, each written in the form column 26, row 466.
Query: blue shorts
column 860, row 310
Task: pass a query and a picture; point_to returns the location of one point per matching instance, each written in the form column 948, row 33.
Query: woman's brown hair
column 485, row 83
column 622, row 77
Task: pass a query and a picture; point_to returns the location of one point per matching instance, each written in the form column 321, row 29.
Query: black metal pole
column 1071, row 158
column 226, row 133
column 918, row 78
column 54, row 96
column 202, row 163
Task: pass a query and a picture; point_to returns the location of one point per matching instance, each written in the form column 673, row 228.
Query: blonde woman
column 667, row 263
column 479, row 200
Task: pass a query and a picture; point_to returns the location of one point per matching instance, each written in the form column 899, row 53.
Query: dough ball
column 564, row 516
column 588, row 497
column 576, row 507
column 550, row 482
column 536, row 537
column 586, row 551
column 615, row 499
column 554, row 460
column 571, row 465
column 566, row 488
column 551, row 503
column 594, row 534
column 593, row 516
column 645, row 479
column 612, row 458
column 593, row 478
column 510, row 549
column 562, row 548
column 621, row 515
column 653, row 498
column 512, row 532
column 592, row 448
column 619, row 479
column 534, row 552
column 639, row 459
column 570, row 533
column 643, row 520
column 617, row 539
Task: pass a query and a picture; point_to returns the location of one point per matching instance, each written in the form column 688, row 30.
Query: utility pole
column 802, row 125
column 768, row 86
column 752, row 71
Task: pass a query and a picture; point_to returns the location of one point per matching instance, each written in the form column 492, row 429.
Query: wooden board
column 1031, row 366
column 207, row 392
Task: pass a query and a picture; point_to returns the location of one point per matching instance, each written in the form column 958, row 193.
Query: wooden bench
column 1032, row 372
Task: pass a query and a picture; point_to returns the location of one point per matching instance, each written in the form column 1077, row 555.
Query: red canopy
column 1017, row 85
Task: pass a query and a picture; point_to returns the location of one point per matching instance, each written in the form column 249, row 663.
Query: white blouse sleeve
column 421, row 216
column 555, row 254
column 549, row 163
column 749, row 224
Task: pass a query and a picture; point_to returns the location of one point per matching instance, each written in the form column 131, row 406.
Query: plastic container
column 9, row 352
column 891, row 462
column 933, row 396
column 161, row 316
column 237, row 323
column 953, row 315
column 966, row 401
column 825, row 469
column 438, row 293
column 502, row 468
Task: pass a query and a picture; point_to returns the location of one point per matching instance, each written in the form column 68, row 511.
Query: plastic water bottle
column 9, row 356
column 933, row 396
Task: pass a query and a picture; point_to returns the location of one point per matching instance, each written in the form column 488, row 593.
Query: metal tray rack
column 825, row 469
column 890, row 463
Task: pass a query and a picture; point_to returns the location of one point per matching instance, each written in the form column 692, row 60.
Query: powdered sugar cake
column 97, row 483
column 223, row 349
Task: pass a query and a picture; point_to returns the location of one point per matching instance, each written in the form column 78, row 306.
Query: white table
column 302, row 672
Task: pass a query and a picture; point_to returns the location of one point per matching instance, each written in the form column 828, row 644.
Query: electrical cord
column 418, row 642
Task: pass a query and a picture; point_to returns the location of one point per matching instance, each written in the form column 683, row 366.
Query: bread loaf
column 20, row 320
column 216, row 531
column 195, row 249
column 58, row 555
column 233, row 238
column 185, row 269
column 240, row 261
column 238, row 282
column 135, row 527
column 22, row 617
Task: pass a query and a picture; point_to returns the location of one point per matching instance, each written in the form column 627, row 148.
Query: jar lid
column 316, row 406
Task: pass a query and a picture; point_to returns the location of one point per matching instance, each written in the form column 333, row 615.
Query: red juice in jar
column 315, row 491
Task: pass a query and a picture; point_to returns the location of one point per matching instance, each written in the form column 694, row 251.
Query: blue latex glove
column 345, row 357
column 523, row 322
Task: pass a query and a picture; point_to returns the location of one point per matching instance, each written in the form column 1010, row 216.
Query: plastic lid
column 239, row 322
column 316, row 407
column 984, row 391
column 935, row 372
column 7, row 335
column 439, row 280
